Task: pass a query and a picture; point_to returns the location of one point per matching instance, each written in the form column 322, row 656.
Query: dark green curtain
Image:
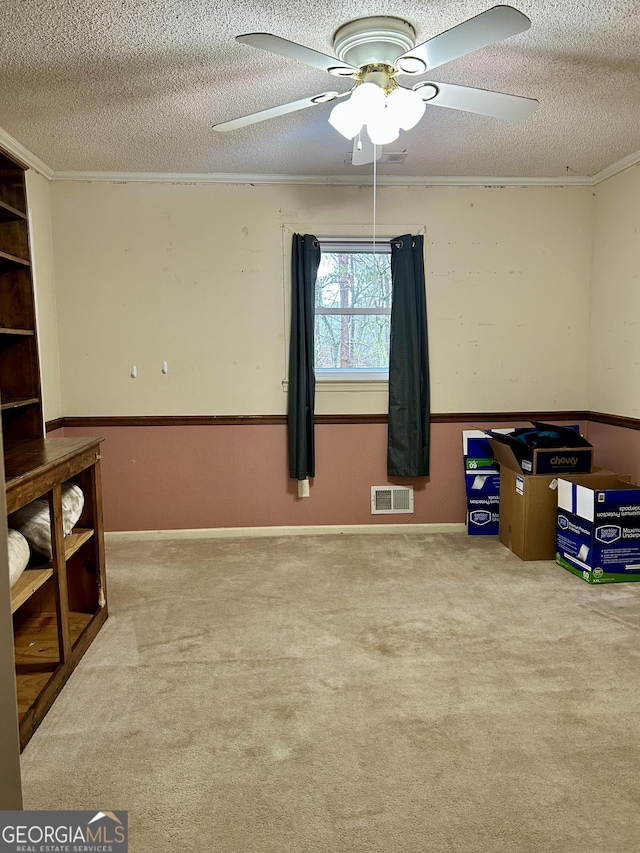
column 305, row 259
column 409, row 409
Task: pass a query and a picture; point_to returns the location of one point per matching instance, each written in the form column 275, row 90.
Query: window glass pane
column 352, row 341
column 354, row 280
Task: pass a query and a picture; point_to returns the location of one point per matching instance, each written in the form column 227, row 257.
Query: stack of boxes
column 552, row 503
column 529, row 487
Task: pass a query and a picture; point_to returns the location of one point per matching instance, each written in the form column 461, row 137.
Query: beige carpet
column 352, row 694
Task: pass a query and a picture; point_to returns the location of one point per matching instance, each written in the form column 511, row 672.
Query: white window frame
column 353, row 374
column 360, row 381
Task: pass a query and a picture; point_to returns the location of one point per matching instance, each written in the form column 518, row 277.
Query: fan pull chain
column 374, row 199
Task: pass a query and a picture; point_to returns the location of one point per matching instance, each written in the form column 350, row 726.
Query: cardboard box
column 478, row 454
column 483, row 503
column 574, row 454
column 598, row 530
column 482, row 483
column 529, row 505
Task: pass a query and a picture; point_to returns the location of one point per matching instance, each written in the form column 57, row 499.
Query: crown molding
column 26, row 157
column 317, row 180
column 616, row 168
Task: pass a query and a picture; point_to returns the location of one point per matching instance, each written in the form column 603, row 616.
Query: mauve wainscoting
column 205, row 475
column 616, row 447
column 173, row 477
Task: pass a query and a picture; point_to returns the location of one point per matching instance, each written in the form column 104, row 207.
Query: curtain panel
column 409, row 406
column 305, row 260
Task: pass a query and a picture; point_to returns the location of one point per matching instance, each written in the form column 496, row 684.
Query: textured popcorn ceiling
column 135, row 85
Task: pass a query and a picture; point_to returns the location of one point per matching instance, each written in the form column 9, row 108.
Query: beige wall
column 194, row 275
column 614, row 341
column 39, row 199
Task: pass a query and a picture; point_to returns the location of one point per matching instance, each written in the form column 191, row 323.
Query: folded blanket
column 18, row 555
column 34, row 523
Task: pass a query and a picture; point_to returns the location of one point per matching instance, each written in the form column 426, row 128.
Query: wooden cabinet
column 58, row 605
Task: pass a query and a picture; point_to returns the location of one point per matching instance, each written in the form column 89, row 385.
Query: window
column 353, row 309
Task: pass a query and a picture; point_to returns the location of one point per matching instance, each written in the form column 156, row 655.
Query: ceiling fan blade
column 273, row 112
column 488, row 27
column 291, row 49
column 481, row 101
column 367, row 152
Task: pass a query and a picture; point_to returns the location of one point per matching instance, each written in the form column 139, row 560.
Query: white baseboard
column 302, row 530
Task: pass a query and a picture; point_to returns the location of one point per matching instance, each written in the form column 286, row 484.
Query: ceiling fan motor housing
column 377, row 40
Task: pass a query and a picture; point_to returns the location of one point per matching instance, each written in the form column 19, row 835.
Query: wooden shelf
column 28, row 582
column 23, row 333
column 36, row 639
column 40, row 679
column 9, row 213
column 11, row 262
column 75, row 540
column 19, row 403
column 30, row 685
column 37, row 655
column 32, row 579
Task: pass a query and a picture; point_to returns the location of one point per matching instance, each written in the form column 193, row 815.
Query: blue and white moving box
column 598, row 534
column 482, row 483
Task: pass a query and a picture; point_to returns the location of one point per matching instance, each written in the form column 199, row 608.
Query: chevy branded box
column 534, row 455
column 598, row 530
column 482, row 483
column 529, row 505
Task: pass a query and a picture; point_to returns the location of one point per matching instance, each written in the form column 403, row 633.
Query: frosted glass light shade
column 383, row 115
column 367, row 99
column 346, row 120
column 405, row 108
column 383, row 129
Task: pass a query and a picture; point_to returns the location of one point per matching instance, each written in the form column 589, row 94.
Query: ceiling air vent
column 391, row 499
column 393, row 157
column 390, row 157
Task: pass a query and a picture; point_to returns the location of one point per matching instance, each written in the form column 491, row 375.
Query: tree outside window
column 353, row 307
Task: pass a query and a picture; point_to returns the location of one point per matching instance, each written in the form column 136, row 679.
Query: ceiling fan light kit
column 381, row 106
column 373, row 51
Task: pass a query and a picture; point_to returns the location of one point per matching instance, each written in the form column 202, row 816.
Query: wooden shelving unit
column 20, row 386
column 58, row 608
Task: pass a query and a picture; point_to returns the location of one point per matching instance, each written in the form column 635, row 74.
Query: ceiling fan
column 373, row 52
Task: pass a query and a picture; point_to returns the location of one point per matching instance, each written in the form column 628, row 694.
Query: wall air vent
column 391, row 499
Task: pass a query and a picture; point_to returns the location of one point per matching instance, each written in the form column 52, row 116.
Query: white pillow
column 33, row 520
column 18, row 555
column 72, row 506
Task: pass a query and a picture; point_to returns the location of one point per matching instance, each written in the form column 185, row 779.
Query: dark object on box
column 545, row 449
